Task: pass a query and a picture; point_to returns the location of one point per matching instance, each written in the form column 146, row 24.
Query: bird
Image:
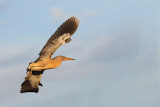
column 45, row 61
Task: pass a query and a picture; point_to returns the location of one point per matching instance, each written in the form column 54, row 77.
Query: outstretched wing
column 61, row 36
column 31, row 84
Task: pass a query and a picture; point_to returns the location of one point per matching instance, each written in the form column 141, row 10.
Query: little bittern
column 35, row 69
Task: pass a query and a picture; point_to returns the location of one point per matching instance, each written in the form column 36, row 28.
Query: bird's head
column 62, row 58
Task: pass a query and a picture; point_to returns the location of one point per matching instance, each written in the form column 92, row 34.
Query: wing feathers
column 68, row 27
column 32, row 83
column 27, row 87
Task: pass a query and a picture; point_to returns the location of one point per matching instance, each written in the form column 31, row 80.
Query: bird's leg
column 30, row 66
column 29, row 73
column 35, row 66
column 29, row 70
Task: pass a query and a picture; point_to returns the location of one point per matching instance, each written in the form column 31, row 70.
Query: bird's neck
column 56, row 63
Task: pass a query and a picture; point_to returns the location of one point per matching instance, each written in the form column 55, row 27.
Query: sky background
column 116, row 47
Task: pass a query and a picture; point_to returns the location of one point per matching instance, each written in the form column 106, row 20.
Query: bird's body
column 47, row 63
column 35, row 69
column 44, row 65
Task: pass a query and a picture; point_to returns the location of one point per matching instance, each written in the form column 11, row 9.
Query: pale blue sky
column 116, row 47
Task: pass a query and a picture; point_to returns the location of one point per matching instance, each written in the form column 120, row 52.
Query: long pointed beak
column 68, row 58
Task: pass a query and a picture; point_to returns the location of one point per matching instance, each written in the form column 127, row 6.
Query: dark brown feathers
column 32, row 83
column 69, row 26
column 27, row 87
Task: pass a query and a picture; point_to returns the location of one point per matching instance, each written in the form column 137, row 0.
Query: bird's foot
column 40, row 84
column 29, row 72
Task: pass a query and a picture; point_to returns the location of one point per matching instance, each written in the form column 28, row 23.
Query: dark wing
column 62, row 34
column 32, row 83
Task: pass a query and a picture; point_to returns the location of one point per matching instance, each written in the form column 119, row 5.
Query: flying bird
column 45, row 61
